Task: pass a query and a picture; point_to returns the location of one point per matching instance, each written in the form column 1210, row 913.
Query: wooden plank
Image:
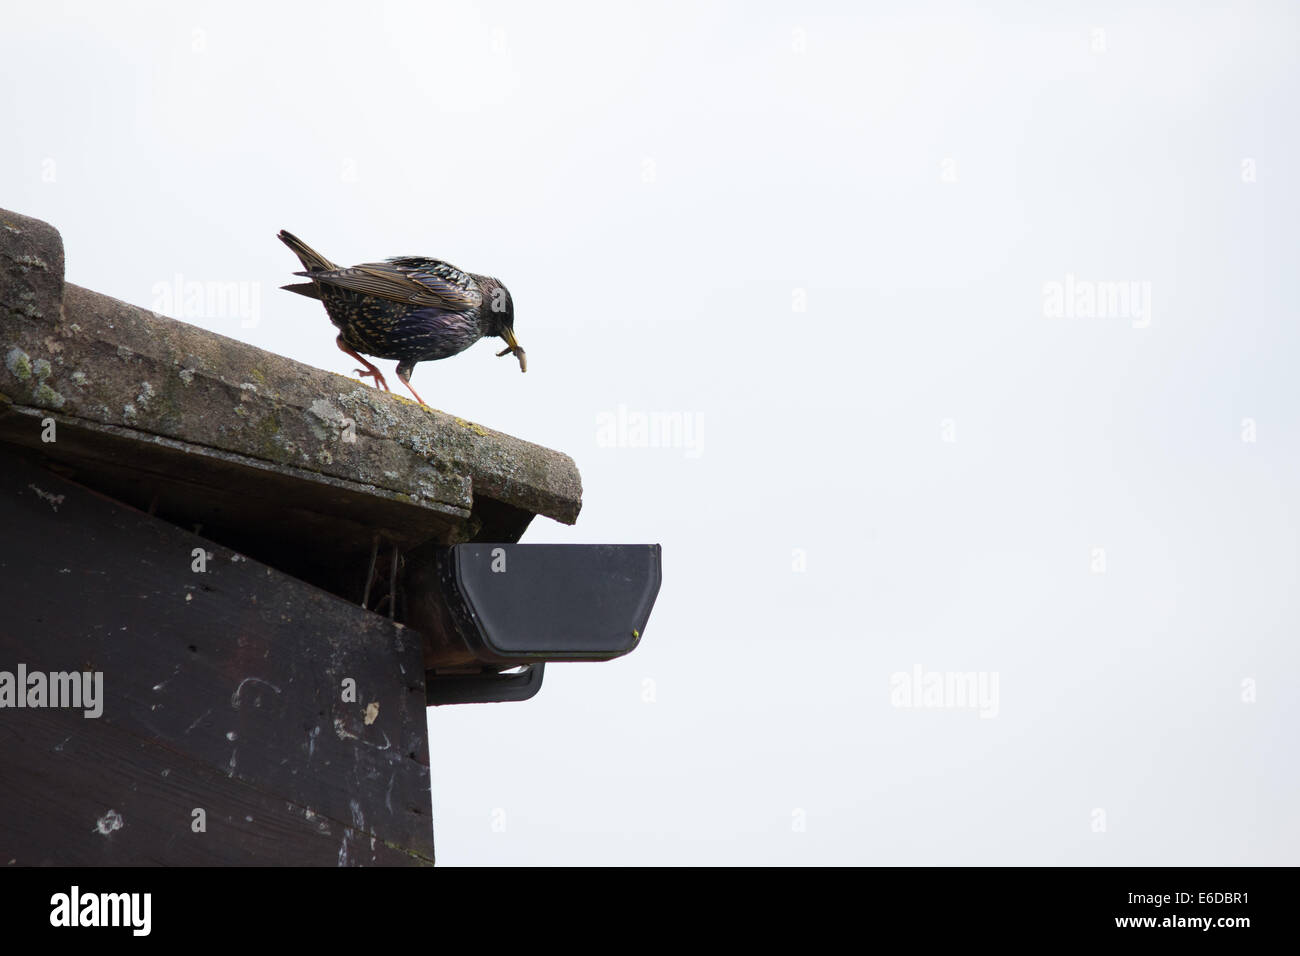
column 234, row 674
column 98, row 796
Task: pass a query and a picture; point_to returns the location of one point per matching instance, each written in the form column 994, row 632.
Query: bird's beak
column 509, row 335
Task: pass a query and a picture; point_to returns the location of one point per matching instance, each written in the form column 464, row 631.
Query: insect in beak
column 509, row 335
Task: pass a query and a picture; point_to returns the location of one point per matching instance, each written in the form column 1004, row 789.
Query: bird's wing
column 309, row 257
column 413, row 280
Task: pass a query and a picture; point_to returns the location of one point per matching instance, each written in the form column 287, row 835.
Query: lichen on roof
column 100, row 363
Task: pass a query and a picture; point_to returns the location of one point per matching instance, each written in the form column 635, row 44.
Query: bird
column 409, row 308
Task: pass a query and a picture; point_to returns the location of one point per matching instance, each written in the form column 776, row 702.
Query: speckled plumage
column 408, row 308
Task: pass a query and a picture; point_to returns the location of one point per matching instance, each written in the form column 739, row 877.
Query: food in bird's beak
column 519, row 354
column 509, row 336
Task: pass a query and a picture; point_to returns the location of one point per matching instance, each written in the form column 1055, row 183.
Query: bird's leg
column 404, row 373
column 370, row 371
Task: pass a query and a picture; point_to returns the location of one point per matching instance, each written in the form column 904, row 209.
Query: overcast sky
column 980, row 320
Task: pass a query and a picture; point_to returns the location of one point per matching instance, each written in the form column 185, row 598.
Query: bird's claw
column 379, row 379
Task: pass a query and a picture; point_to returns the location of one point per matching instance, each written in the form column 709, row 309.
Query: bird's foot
column 375, row 374
column 369, row 371
column 414, row 392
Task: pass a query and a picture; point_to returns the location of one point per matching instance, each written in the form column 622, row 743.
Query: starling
column 409, row 308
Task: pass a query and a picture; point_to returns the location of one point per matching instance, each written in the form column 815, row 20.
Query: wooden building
column 242, row 552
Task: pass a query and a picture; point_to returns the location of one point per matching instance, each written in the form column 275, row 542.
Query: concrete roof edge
column 92, row 357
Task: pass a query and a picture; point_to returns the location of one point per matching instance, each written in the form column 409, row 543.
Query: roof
column 178, row 419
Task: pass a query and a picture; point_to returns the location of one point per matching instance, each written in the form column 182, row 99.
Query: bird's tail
column 310, row 289
column 311, row 260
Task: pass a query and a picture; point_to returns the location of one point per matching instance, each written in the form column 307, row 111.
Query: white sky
column 655, row 183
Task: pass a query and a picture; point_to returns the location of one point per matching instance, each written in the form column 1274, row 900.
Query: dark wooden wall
column 223, row 691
